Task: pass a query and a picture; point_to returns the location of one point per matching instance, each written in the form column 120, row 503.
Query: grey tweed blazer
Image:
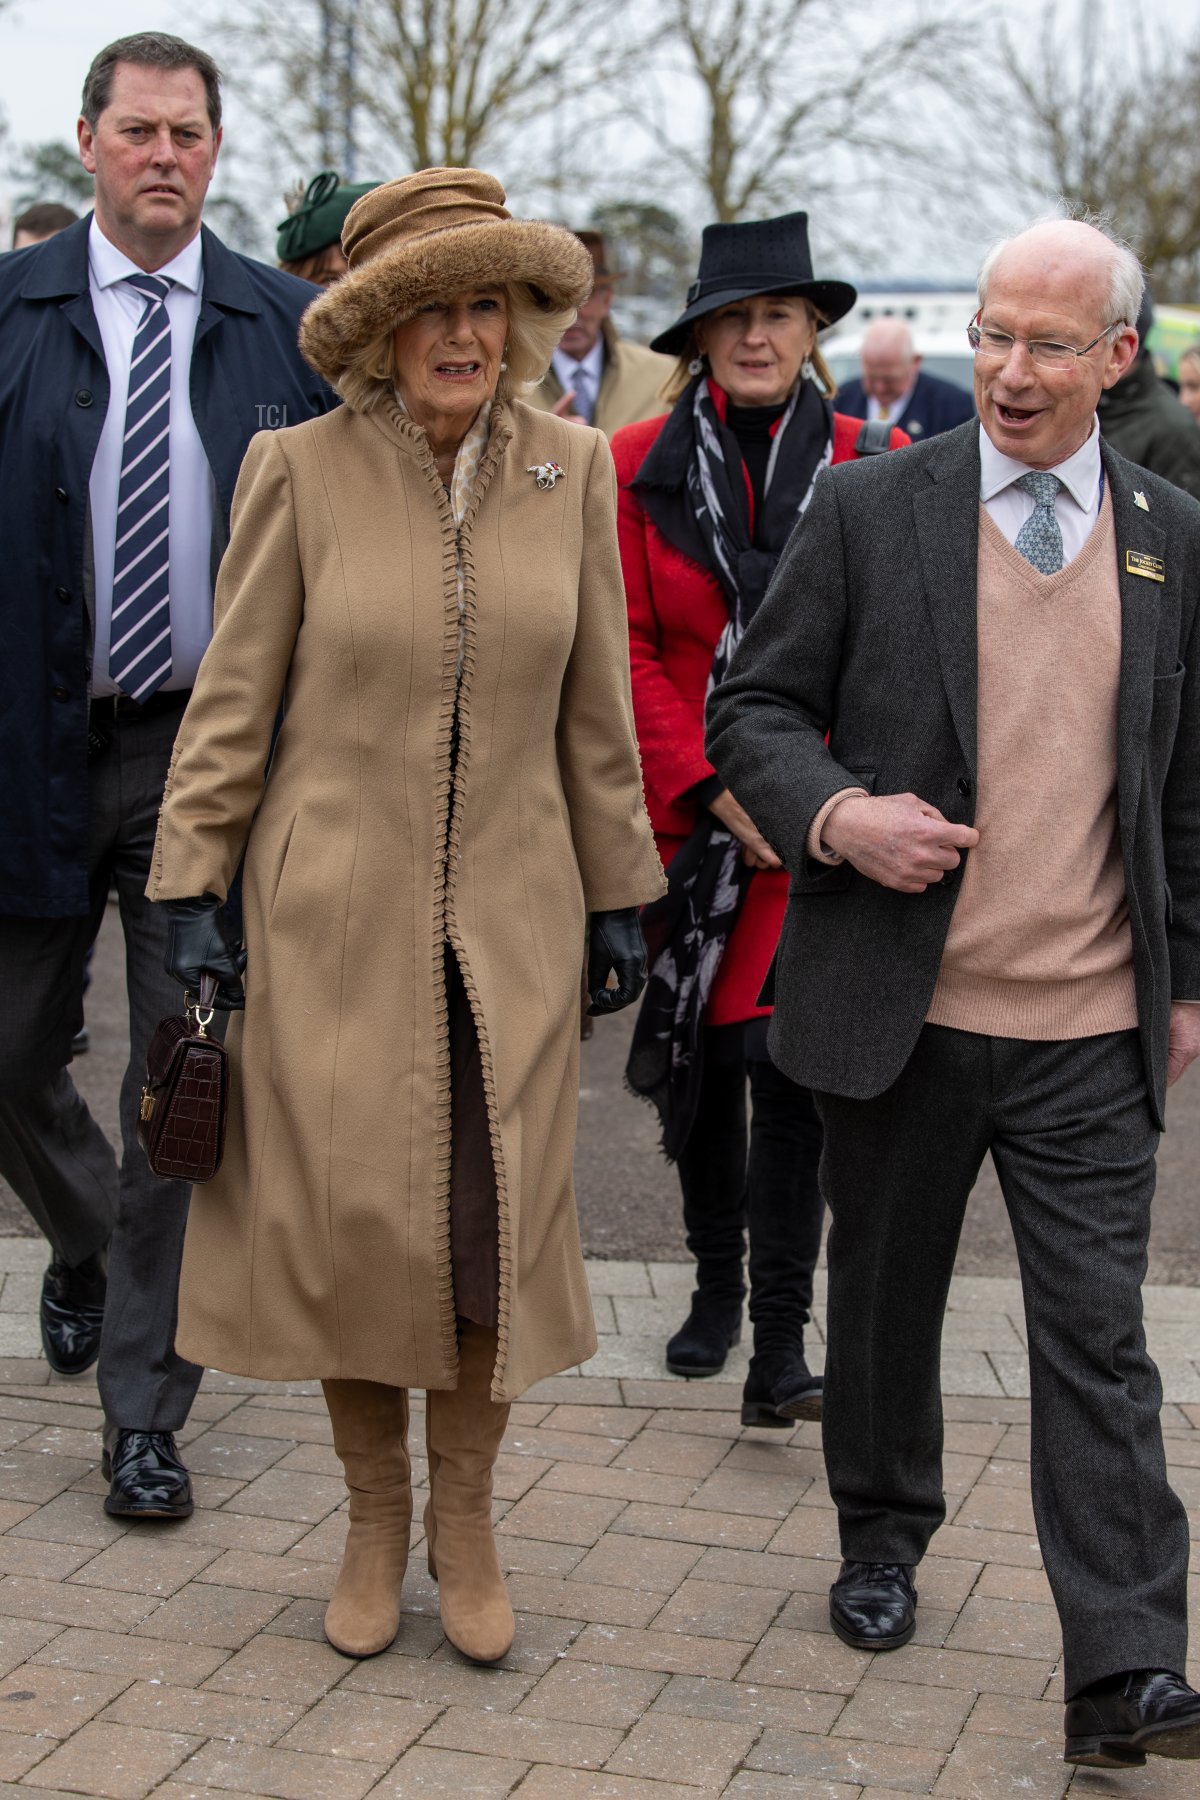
column 868, row 633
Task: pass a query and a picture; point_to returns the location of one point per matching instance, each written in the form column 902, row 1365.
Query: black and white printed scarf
column 692, row 486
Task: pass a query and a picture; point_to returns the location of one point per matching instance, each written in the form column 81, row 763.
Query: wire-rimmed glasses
column 986, row 341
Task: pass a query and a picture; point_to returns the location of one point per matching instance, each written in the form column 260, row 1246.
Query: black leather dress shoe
column 1115, row 1724
column 148, row 1479
column 706, row 1336
column 780, row 1388
column 71, row 1313
column 873, row 1606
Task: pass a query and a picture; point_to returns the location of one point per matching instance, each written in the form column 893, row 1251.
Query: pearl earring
column 808, row 368
column 696, row 366
column 504, row 364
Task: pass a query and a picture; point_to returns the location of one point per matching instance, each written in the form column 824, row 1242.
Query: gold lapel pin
column 547, row 473
column 1139, row 499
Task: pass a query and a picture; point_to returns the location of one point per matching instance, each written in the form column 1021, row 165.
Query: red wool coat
column 677, row 611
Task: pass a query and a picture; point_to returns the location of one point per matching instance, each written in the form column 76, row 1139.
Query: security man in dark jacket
column 1142, row 419
column 140, row 356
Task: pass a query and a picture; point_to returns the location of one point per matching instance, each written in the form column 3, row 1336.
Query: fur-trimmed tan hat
column 427, row 236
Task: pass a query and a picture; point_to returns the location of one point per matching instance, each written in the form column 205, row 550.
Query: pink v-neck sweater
column 1039, row 944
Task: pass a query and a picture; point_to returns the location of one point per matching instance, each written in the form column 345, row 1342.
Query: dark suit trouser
column 763, row 1181
column 1070, row 1130
column 52, row 1152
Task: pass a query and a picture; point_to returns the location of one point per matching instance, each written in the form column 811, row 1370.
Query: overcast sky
column 46, row 46
column 45, row 49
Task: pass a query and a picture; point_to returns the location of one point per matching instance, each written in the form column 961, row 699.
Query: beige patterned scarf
column 462, row 485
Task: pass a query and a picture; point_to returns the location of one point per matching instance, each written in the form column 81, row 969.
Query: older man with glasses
column 993, row 943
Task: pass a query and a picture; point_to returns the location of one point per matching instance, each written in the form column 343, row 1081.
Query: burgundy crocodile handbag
column 181, row 1120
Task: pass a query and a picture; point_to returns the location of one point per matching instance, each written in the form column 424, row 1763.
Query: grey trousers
column 1070, row 1130
column 52, row 1153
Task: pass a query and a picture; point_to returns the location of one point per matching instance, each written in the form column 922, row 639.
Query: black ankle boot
column 780, row 1388
column 707, row 1335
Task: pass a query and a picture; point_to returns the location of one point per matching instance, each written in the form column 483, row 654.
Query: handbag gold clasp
column 200, row 1019
column 146, row 1109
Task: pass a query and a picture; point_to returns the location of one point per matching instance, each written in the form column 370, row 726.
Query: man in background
column 39, row 222
column 140, row 356
column 1142, row 419
column 596, row 377
column 894, row 387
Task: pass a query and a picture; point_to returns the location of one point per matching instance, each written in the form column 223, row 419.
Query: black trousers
column 52, row 1152
column 759, row 1175
column 1070, row 1129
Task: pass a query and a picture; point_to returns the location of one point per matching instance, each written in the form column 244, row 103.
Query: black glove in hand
column 616, row 942
column 197, row 940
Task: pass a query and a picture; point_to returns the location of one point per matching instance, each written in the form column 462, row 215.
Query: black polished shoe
column 704, row 1340
column 71, row 1314
column 780, row 1388
column 873, row 1606
column 148, row 1479
column 1116, row 1724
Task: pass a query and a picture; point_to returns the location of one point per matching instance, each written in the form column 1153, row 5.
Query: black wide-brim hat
column 763, row 256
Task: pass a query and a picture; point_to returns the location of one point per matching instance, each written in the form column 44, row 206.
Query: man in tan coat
column 596, row 377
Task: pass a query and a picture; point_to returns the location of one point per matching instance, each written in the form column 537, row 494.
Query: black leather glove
column 616, row 942
column 197, row 940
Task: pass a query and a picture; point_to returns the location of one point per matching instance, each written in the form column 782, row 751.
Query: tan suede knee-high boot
column 463, row 1430
column 370, row 1431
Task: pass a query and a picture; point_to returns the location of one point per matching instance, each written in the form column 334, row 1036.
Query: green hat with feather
column 318, row 219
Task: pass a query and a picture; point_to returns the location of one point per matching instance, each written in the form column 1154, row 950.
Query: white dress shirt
column 583, row 376
column 1076, row 505
column 896, row 409
column 118, row 310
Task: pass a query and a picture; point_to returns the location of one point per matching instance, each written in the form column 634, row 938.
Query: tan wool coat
column 322, row 1248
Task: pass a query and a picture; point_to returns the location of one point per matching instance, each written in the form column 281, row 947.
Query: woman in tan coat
column 428, row 581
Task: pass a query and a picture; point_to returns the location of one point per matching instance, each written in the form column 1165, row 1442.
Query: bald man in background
column 896, row 388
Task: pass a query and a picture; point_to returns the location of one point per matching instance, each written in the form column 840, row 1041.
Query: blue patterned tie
column 582, row 383
column 1040, row 537
column 139, row 654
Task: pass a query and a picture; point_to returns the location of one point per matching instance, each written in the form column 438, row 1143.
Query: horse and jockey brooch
column 547, row 473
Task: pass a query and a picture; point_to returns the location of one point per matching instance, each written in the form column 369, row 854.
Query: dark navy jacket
column 936, row 405
column 246, row 375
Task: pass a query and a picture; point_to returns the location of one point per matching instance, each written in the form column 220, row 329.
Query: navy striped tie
column 139, row 654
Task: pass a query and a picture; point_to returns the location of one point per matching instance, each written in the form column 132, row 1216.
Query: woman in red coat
column 708, row 498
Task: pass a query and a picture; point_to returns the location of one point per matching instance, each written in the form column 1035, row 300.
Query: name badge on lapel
column 1139, row 562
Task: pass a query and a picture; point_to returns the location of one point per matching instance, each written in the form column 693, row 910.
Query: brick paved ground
column 669, row 1573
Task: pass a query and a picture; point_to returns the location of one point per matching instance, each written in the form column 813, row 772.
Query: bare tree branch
column 1108, row 115
column 794, row 96
column 434, row 81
